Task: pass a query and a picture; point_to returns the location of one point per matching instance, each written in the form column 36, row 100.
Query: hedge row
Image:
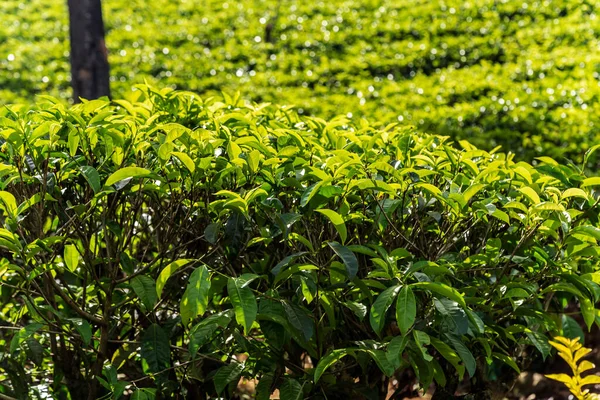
column 523, row 75
column 169, row 246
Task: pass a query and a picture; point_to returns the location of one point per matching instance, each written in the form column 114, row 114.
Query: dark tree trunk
column 89, row 57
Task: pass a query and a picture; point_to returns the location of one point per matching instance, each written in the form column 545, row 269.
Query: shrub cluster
column 523, row 75
column 171, row 245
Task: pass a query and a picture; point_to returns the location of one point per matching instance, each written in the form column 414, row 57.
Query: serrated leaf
column 291, row 389
column 195, row 299
column 73, row 142
column 92, row 177
column 299, row 319
column 571, row 328
column 263, row 388
column 507, row 360
column 381, row 360
column 348, row 258
column 359, row 309
column 243, row 302
column 155, row 349
column 227, row 374
column 540, row 342
column 328, row 360
column 449, row 354
column 406, row 309
column 380, row 307
column 310, row 192
column 395, row 349
column 443, row 290
column 464, row 353
column 145, row 289
column 211, row 233
column 126, row 173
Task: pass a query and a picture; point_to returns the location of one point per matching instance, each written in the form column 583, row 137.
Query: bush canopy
column 171, row 245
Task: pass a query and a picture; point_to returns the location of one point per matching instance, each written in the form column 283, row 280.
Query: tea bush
column 171, row 245
column 523, row 75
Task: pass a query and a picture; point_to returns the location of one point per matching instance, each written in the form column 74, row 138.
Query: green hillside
column 512, row 73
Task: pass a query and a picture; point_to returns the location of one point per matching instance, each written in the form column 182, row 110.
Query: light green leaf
column 71, row 257
column 167, row 272
column 588, row 311
column 195, row 298
column 574, row 192
column 126, row 173
column 73, row 142
column 253, row 160
column 530, row 194
column 443, row 290
column 595, row 181
column 310, row 192
column 337, row 221
column 185, row 160
column 9, row 202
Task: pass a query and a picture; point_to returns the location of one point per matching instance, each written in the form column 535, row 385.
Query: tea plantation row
column 519, row 74
column 146, row 246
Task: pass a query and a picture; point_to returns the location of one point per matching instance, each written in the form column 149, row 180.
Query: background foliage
column 519, row 74
column 169, row 246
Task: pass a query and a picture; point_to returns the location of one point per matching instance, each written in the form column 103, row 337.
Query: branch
column 72, row 303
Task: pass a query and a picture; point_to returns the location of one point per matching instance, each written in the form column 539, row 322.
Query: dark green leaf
column 291, row 389
column 347, row 257
column 92, row 177
column 243, row 301
column 406, row 309
column 155, row 349
column 145, row 288
column 227, row 374
column 380, row 307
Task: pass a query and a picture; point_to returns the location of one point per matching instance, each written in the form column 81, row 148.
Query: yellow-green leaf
column 337, row 221
column 185, row 160
column 530, row 194
column 126, row 173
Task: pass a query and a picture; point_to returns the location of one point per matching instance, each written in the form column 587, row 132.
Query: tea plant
column 171, row 245
column 523, row 75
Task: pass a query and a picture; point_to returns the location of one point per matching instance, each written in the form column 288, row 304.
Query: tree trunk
column 89, row 57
